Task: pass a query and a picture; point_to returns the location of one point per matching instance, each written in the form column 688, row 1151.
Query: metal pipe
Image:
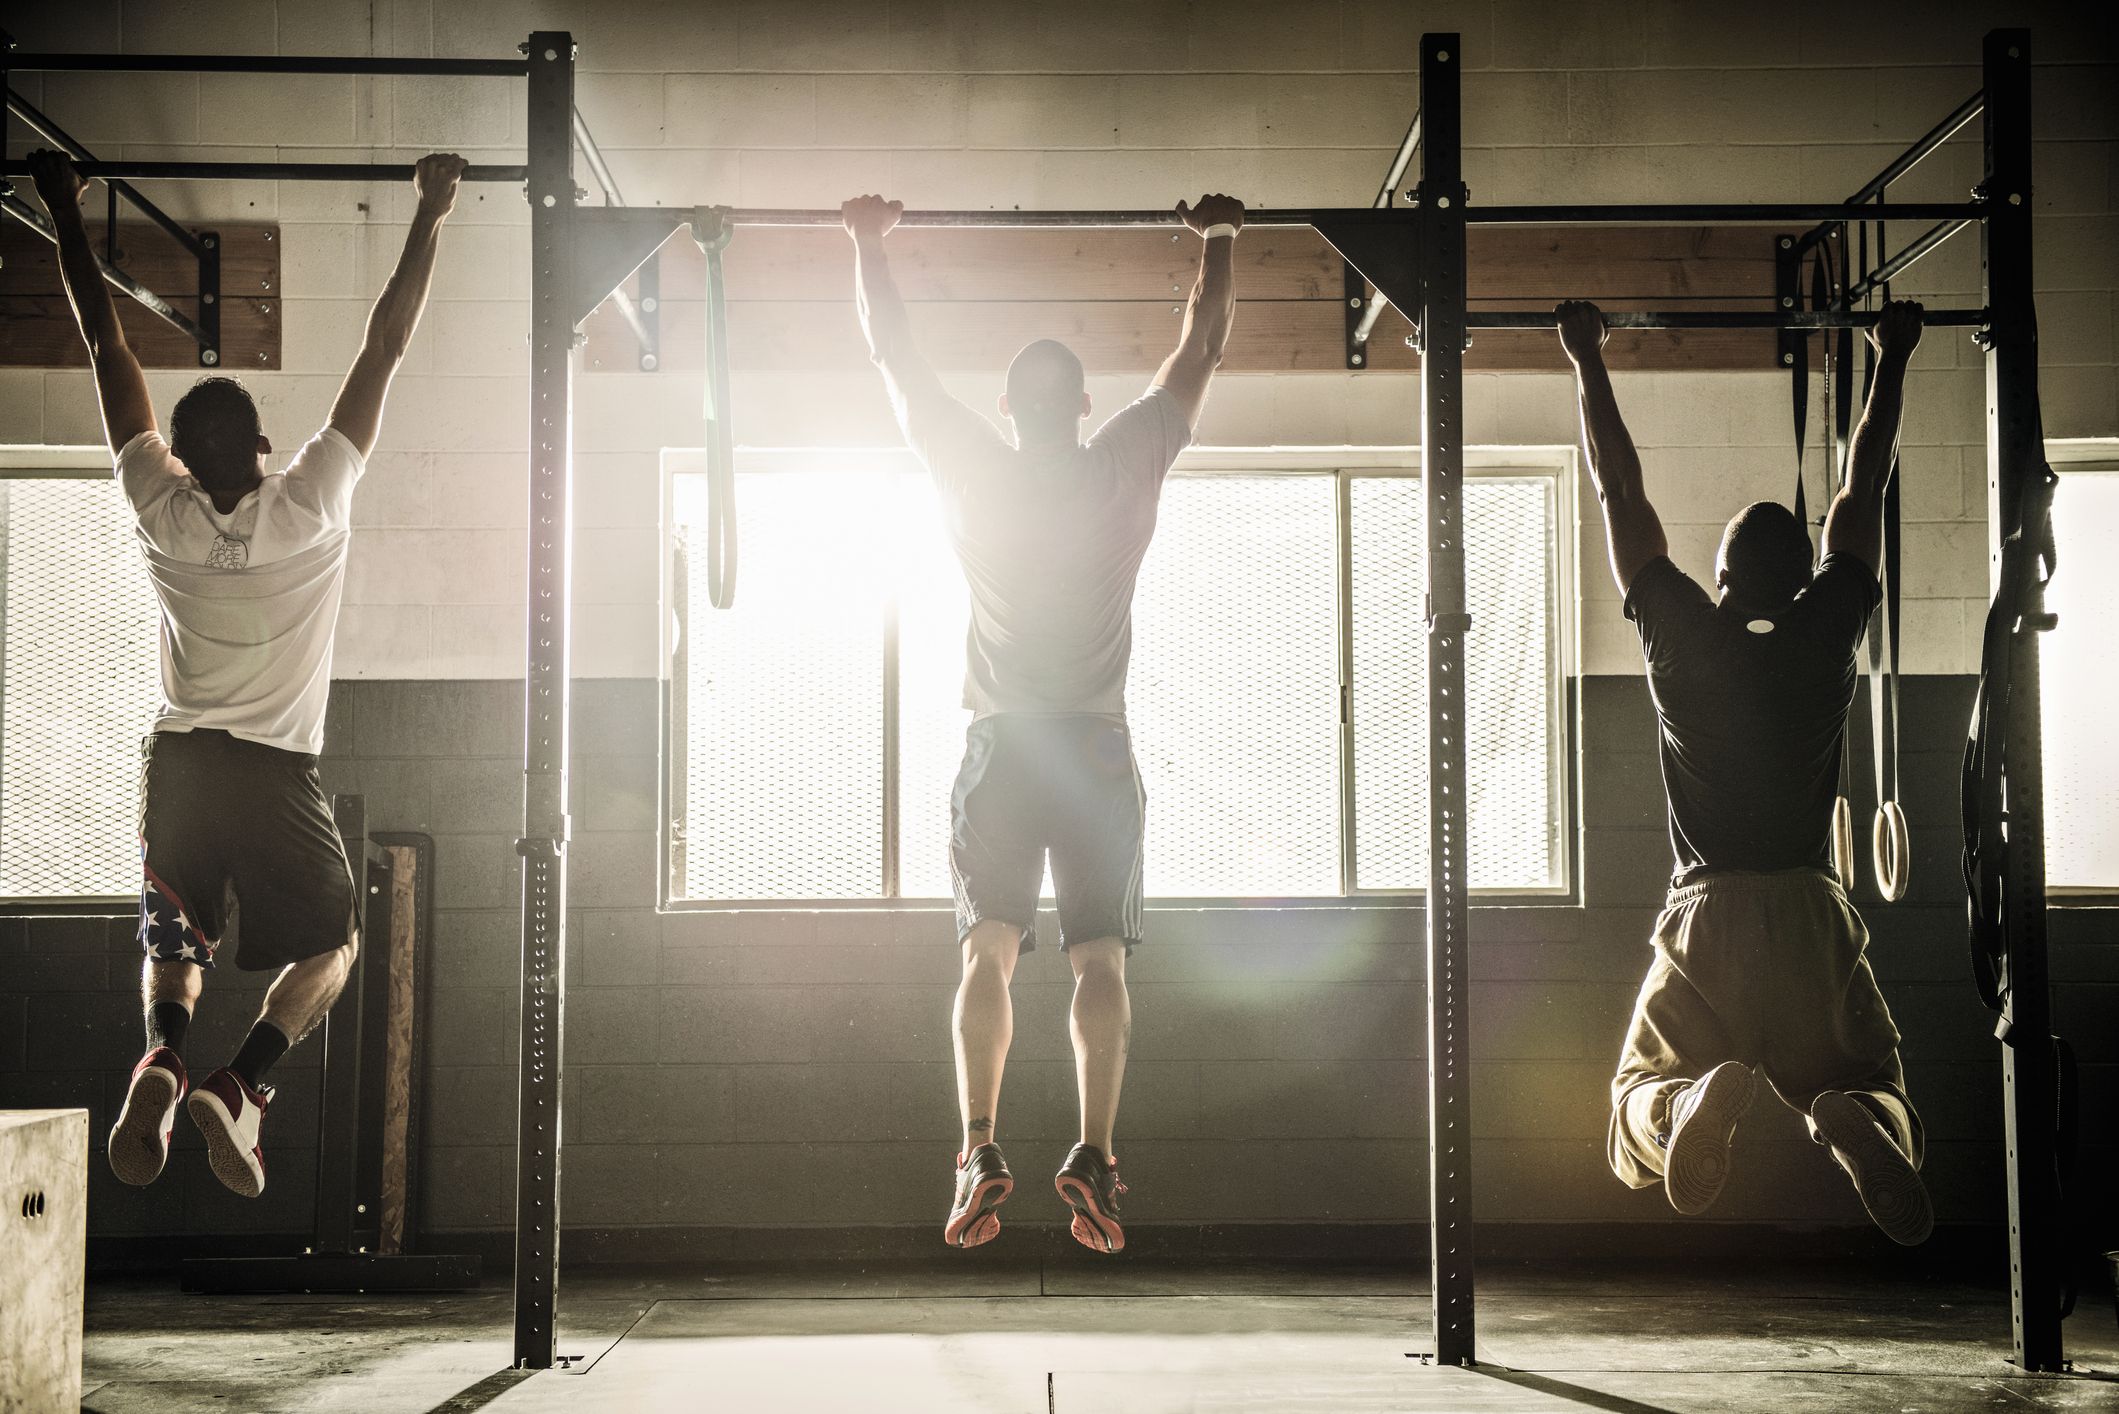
column 51, row 132
column 268, row 64
column 1387, row 196
column 627, row 310
column 745, row 216
column 264, row 171
column 1721, row 318
column 1723, row 214
column 1905, row 260
column 37, row 221
column 1936, row 136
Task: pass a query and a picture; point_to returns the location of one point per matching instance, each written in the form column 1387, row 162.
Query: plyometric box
column 43, row 1254
column 37, row 327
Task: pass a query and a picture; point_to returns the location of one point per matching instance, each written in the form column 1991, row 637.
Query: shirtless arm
column 1633, row 533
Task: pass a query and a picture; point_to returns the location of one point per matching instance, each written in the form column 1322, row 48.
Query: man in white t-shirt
column 249, row 567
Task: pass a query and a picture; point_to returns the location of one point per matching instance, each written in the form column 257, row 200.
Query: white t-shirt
column 249, row 599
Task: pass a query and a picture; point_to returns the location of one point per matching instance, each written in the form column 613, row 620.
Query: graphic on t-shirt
column 228, row 553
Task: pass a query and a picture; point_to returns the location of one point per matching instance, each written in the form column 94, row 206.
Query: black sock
column 166, row 1024
column 265, row 1044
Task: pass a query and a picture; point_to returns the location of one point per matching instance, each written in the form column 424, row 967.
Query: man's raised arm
column 121, row 388
column 1212, row 309
column 912, row 379
column 1633, row 533
column 357, row 415
column 1855, row 524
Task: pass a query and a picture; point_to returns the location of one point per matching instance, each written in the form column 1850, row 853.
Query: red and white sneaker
column 228, row 1113
column 139, row 1141
column 1089, row 1183
column 983, row 1183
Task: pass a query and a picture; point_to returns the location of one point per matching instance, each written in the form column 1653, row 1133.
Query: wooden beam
column 37, row 328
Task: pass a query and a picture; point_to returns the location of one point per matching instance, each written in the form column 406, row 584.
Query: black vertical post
column 2014, row 457
column 1442, row 328
column 544, row 804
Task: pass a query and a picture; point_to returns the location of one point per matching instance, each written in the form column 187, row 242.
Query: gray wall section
column 792, row 1068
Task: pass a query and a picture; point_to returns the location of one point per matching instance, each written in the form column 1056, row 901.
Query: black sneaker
column 983, row 1183
column 1089, row 1183
column 1888, row 1184
column 1702, row 1119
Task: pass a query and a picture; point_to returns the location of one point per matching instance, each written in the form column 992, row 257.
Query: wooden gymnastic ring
column 1843, row 842
column 1890, row 851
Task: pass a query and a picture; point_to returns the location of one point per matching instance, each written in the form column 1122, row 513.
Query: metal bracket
column 1788, row 292
column 611, row 242
column 648, row 311
column 1385, row 252
column 1357, row 302
column 209, row 319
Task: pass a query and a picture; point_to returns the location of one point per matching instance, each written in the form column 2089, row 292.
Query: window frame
column 1344, row 464
column 60, row 462
column 2076, row 455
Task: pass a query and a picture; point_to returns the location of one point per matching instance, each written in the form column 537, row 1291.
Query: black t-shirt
column 1752, row 714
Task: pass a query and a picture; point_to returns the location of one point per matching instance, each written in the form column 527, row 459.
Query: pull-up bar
column 1719, row 318
column 264, row 171
column 269, row 64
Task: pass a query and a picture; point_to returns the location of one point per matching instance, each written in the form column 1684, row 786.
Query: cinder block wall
column 1276, row 1068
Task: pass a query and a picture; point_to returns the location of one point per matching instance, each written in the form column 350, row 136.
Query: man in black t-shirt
column 1759, row 966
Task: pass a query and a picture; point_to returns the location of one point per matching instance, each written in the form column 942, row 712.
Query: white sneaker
column 1888, row 1184
column 228, row 1113
column 1702, row 1119
column 139, row 1141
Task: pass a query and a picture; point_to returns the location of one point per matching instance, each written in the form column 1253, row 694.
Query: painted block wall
column 1102, row 103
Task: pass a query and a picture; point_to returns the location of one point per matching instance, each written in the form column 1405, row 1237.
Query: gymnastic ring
column 1843, row 842
column 1890, row 850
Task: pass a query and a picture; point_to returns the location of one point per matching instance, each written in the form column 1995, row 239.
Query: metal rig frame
column 1414, row 256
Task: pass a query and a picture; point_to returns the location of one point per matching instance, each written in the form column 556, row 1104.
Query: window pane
column 1511, row 661
column 2079, row 679
column 935, row 610
column 783, row 721
column 81, row 687
column 1234, row 692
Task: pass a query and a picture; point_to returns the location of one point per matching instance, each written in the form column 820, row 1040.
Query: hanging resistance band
column 711, row 228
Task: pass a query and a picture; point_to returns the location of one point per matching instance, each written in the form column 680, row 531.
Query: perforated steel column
column 544, row 802
column 2029, row 1085
column 1442, row 329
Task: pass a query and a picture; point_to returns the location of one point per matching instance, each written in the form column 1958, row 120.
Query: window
column 79, row 682
column 2079, row 679
column 815, row 729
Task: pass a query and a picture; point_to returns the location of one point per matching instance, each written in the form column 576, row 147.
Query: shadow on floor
column 478, row 1396
column 1560, row 1389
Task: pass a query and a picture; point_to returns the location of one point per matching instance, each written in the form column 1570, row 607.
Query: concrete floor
column 1118, row 1337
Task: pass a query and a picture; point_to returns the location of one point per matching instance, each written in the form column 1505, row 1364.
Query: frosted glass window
column 2078, row 682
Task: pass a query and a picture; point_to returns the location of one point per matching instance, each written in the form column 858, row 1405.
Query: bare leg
column 179, row 982
column 985, row 1024
column 1103, row 1031
column 305, row 990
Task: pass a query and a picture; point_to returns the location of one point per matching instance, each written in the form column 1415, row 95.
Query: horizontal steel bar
column 1936, row 136
column 265, row 171
column 268, row 64
column 52, row 133
column 1001, row 219
column 1905, row 260
column 37, row 221
column 1726, row 214
column 1718, row 318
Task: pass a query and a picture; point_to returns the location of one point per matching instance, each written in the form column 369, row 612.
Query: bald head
column 1765, row 559
column 1045, row 396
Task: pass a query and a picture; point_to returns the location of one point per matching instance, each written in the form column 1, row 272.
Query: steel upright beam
column 2014, row 456
column 1442, row 330
column 543, row 844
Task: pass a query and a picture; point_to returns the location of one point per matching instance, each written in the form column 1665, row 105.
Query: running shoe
column 1702, row 1119
column 139, row 1141
column 228, row 1112
column 983, row 1183
column 1089, row 1183
column 1888, row 1184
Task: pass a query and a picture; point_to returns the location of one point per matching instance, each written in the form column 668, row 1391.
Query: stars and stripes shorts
column 237, row 839
column 1066, row 787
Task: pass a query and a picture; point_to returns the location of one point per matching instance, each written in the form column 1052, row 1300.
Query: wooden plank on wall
column 1116, row 296
column 37, row 328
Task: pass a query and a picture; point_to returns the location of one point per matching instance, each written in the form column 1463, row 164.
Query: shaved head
column 1765, row 559
column 1045, row 392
